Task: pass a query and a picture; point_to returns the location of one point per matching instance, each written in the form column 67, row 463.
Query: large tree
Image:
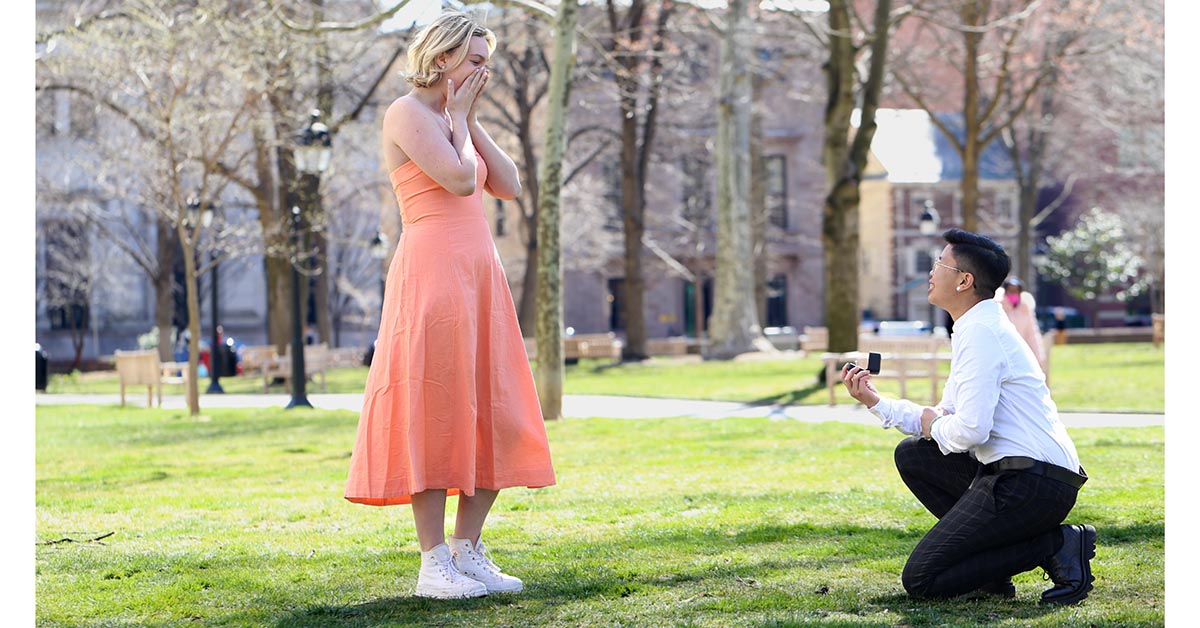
column 158, row 70
column 845, row 154
column 735, row 326
column 975, row 49
column 549, row 373
column 634, row 46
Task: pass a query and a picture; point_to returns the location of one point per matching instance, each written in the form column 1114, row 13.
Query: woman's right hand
column 459, row 101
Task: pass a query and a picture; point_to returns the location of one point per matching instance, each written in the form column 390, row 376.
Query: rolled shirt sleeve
column 901, row 414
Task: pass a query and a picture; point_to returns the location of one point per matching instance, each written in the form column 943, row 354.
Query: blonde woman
column 450, row 406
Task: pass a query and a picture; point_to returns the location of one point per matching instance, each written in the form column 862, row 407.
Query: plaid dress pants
column 989, row 527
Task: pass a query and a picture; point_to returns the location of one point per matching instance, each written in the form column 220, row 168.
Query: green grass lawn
column 1115, row 377
column 236, row 518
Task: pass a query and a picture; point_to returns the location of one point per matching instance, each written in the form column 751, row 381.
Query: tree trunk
column 527, row 306
column 193, row 308
column 758, row 203
column 319, row 267
column 527, row 312
column 840, row 235
column 633, row 220
column 735, row 329
column 164, row 282
column 549, row 373
column 279, row 298
column 969, row 185
column 844, row 166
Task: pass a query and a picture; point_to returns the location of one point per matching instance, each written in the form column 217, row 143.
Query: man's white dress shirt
column 996, row 403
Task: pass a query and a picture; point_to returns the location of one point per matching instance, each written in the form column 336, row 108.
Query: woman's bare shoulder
column 404, row 106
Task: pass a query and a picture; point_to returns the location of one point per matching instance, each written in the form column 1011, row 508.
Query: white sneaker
column 439, row 578
column 474, row 563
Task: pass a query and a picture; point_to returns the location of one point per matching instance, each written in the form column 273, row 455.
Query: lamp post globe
column 928, row 223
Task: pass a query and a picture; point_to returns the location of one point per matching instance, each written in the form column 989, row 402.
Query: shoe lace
column 448, row 570
column 480, row 556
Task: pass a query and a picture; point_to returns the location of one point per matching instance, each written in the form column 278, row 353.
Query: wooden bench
column 677, row 345
column 814, row 339
column 904, row 357
column 586, row 346
column 143, row 368
column 257, row 357
column 592, row 346
column 341, row 357
column 316, row 362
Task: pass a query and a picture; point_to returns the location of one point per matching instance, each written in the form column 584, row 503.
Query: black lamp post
column 928, row 226
column 201, row 214
column 216, row 357
column 313, row 149
column 379, row 250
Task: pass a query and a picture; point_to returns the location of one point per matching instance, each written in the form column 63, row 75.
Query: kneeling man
column 992, row 462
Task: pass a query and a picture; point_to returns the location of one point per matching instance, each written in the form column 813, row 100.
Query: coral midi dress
column 450, row 401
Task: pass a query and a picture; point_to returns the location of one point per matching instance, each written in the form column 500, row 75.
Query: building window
column 922, row 262
column 697, row 196
column 68, row 278
column 775, row 170
column 616, row 318
column 1005, row 209
column 777, row 301
column 501, row 219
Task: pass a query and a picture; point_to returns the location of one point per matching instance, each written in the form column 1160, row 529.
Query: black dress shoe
column 1071, row 568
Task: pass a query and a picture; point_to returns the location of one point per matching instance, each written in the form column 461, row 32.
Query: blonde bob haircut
column 451, row 30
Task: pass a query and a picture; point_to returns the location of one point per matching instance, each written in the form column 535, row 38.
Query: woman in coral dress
column 450, row 406
column 1021, row 309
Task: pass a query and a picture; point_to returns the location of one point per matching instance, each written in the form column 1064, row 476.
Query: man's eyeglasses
column 950, row 267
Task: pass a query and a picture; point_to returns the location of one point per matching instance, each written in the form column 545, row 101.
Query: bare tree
column 549, row 373
column 635, row 43
column 735, row 325
column 182, row 100
column 845, row 155
column 978, row 46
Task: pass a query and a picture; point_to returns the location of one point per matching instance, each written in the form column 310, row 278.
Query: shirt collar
column 983, row 310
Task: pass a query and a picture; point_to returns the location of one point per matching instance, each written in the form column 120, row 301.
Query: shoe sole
column 1087, row 549
column 516, row 590
column 444, row 595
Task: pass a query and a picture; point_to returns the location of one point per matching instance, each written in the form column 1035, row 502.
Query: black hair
column 981, row 256
column 1013, row 281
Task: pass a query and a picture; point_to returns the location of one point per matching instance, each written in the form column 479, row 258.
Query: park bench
column 676, row 345
column 904, row 357
column 340, row 357
column 316, row 362
column 814, row 339
column 257, row 357
column 592, row 346
column 143, row 368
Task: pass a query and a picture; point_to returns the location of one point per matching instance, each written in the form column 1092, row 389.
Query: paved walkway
column 581, row 406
